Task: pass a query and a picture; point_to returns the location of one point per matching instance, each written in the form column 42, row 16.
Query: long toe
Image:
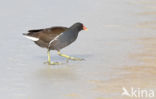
column 76, row 59
column 53, row 63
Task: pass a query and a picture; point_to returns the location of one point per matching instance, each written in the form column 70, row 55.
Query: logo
column 138, row 92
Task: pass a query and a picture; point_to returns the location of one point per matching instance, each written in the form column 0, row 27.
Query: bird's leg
column 49, row 59
column 69, row 57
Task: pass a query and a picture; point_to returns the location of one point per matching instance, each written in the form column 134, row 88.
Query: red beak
column 85, row 28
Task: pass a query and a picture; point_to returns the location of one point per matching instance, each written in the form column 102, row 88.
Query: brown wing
column 46, row 35
column 50, row 33
column 38, row 30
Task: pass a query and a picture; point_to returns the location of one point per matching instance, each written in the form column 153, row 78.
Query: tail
column 30, row 37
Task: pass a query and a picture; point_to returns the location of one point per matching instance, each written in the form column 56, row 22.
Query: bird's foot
column 53, row 63
column 75, row 59
column 69, row 57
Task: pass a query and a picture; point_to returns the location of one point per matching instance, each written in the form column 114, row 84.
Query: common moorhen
column 56, row 38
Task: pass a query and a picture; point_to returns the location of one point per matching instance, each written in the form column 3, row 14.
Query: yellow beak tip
column 86, row 29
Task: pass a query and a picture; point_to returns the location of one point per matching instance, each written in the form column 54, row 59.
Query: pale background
column 119, row 48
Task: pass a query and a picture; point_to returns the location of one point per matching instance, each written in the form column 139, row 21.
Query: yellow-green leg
column 69, row 57
column 49, row 60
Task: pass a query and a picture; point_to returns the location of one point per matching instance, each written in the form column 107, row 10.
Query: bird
column 56, row 38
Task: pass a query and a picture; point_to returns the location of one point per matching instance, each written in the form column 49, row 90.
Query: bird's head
column 79, row 26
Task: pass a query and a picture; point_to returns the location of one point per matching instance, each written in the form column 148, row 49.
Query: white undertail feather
column 31, row 38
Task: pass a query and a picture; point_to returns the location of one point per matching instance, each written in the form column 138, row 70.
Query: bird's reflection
column 51, row 80
column 55, row 73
